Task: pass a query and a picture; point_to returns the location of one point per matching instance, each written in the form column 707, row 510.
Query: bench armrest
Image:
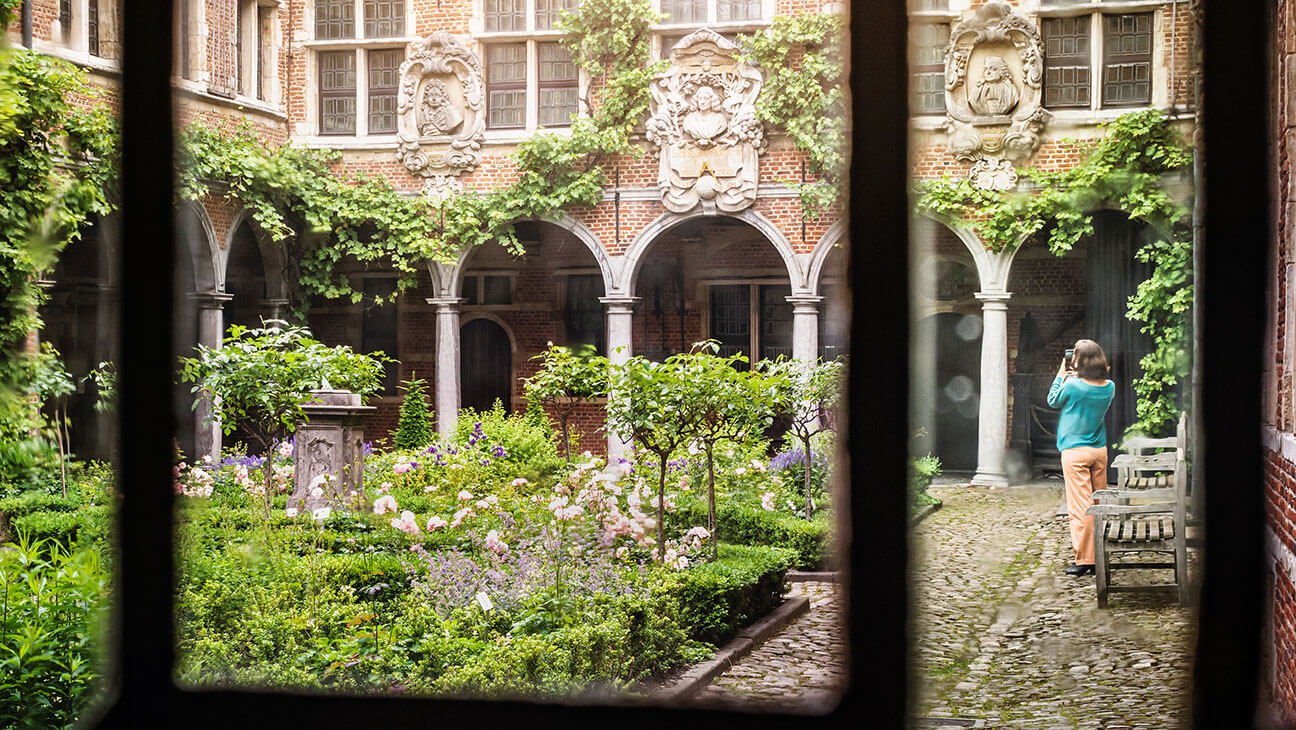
column 1107, row 510
column 1103, row 495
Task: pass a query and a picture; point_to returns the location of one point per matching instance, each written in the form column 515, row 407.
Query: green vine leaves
column 1132, row 168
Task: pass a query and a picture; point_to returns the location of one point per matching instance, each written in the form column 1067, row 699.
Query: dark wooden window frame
column 384, row 91
column 1112, row 60
column 519, row 85
column 542, row 84
column 339, row 93
column 92, row 27
column 546, row 18
column 65, row 20
column 348, row 16
column 1074, row 62
column 517, row 19
column 875, row 550
column 396, row 19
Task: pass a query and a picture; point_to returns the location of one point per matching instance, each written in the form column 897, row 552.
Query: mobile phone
column 1069, row 356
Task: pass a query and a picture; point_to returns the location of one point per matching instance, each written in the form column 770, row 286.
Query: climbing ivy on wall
column 57, row 164
column 804, row 95
column 1127, row 169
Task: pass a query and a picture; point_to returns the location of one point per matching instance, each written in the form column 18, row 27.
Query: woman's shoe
column 1079, row 570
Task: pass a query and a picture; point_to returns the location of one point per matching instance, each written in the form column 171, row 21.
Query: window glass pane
column 1127, row 59
column 731, row 318
column 775, row 322
column 684, row 11
column 337, row 92
column 556, row 63
column 507, row 63
column 384, row 18
column 558, row 90
column 928, row 41
column 583, row 312
column 65, row 18
column 384, row 71
column 334, row 19
column 736, row 10
column 469, row 292
column 1067, row 64
column 506, row 85
column 505, row 15
column 92, row 18
column 929, row 4
column 547, row 12
column 497, row 290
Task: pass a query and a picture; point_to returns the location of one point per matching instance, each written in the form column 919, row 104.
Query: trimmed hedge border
column 810, row 541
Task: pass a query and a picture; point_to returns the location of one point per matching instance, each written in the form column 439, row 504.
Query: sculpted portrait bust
column 996, row 93
column 707, row 119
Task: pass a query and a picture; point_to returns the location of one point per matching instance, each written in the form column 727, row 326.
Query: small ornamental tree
column 729, row 403
column 805, row 392
column 51, row 384
column 413, row 429
column 650, row 404
column 261, row 378
column 567, row 379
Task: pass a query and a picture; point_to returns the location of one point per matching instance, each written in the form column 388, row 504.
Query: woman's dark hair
column 1089, row 361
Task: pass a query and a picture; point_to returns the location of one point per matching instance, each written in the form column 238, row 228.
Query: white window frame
column 309, row 129
column 661, row 30
column 77, row 46
column 197, row 38
column 533, row 38
column 249, row 66
column 1159, row 96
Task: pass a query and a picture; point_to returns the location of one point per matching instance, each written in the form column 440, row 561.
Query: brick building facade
column 630, row 272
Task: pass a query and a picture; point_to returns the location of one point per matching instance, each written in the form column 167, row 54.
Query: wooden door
column 485, row 366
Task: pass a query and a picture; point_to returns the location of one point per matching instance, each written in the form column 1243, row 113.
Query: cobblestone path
column 797, row 670
column 1001, row 635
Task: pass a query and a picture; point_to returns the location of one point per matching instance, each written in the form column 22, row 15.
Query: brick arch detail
column 449, row 280
column 272, row 254
column 992, row 267
column 634, row 254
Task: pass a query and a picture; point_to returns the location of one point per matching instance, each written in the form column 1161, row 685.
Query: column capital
column 994, row 300
column 209, row 299
column 446, row 303
column 804, row 303
column 621, row 304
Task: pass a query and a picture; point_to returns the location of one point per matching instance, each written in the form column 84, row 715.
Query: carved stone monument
column 994, row 70
column 703, row 121
column 329, row 451
column 440, row 113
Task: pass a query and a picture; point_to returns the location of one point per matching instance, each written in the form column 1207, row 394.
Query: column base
column 985, row 479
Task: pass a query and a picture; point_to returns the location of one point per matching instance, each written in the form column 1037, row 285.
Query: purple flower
column 499, row 451
column 367, row 448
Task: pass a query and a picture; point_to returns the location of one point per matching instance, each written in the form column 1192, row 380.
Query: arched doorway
column 485, row 365
column 245, row 278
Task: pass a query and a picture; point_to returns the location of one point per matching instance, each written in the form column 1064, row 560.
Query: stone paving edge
column 924, row 513
column 695, row 679
column 805, row 576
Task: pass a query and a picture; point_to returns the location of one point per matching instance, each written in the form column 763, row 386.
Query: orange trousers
column 1084, row 469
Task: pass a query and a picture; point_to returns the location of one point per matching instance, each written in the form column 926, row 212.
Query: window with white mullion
column 362, row 93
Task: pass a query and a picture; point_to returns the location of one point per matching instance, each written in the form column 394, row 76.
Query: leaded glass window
column 334, row 19
column 1127, row 59
column 505, row 15
column 684, row 11
column 547, row 12
column 928, row 49
column 1067, row 79
column 384, row 75
column 558, row 86
column 337, row 88
column 384, row 18
column 506, row 85
column 736, row 10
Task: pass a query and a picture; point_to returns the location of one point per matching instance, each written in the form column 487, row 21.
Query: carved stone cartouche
column 440, row 112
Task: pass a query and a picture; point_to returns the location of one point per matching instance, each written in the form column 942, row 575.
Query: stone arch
column 466, row 318
column 992, row 267
column 825, row 246
column 634, row 254
column 204, row 252
column 450, row 282
column 273, row 257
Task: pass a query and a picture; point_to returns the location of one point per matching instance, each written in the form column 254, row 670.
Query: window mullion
column 532, row 81
column 362, row 92
column 1096, row 61
column 753, row 315
column 358, row 26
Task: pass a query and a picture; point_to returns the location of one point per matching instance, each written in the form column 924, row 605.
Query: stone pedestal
column 620, row 314
column 330, row 443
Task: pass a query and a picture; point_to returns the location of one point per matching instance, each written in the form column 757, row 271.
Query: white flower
column 317, row 492
column 434, row 522
column 740, row 471
column 291, row 512
column 464, row 495
column 520, row 482
column 483, row 504
column 767, row 501
column 385, row 503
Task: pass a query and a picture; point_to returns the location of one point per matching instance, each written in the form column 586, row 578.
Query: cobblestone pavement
column 1001, row 635
column 798, row 669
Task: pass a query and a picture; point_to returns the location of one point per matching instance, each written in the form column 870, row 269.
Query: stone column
column 620, row 313
column 274, row 308
column 447, row 363
column 805, row 326
column 211, row 327
column 992, row 426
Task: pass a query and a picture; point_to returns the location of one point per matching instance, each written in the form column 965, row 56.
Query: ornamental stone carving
column 703, row 122
column 994, row 70
column 440, row 117
column 329, row 453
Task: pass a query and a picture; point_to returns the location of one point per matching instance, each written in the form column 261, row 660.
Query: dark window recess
column 65, row 19
column 928, row 58
column 334, row 19
column 378, row 328
column 684, row 11
column 731, row 318
column 1127, row 59
column 547, row 12
column 558, row 85
column 1067, row 79
column 497, row 290
column 337, row 92
column 736, row 10
column 384, row 73
column 265, row 31
column 834, row 323
column 775, row 322
column 186, row 17
column 384, row 18
column 506, row 85
column 92, row 19
column 505, row 15
column 469, row 292
column 238, row 48
column 583, row 313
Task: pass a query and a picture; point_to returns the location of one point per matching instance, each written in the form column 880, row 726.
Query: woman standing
column 1083, row 393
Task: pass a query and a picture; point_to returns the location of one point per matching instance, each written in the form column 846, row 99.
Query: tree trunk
column 661, row 512
column 566, row 440
column 711, row 508
column 809, row 508
column 58, row 437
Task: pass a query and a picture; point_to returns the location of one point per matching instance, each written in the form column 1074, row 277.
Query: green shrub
column 717, row 599
column 922, row 470
column 743, row 524
column 28, row 465
column 530, row 445
column 414, row 428
column 54, row 598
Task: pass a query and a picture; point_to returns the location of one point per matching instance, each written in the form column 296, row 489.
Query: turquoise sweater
column 1084, row 411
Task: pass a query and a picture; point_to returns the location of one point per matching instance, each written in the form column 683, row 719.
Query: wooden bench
column 1155, row 527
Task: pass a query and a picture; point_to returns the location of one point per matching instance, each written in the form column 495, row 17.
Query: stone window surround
column 77, row 47
column 249, row 66
column 195, row 40
column 480, row 275
column 308, row 130
column 1096, row 11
